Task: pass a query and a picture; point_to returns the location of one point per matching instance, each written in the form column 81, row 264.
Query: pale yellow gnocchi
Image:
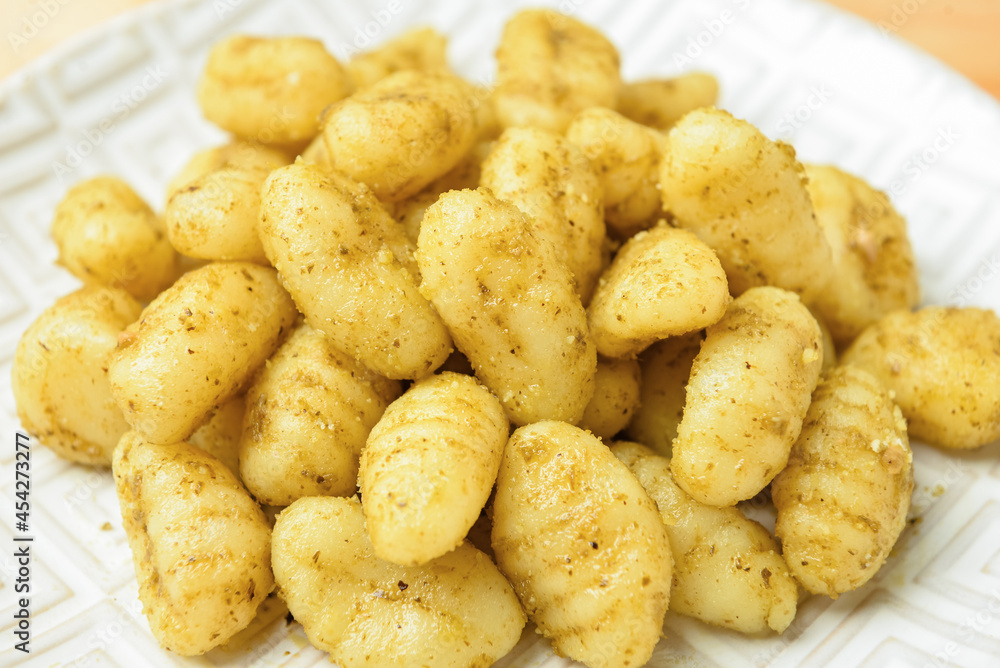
column 874, row 268
column 549, row 67
column 663, row 282
column 213, row 204
column 308, row 413
column 196, row 346
column 456, row 611
column 429, row 466
column 626, row 157
column 665, row 368
column 660, row 103
column 107, row 235
column 582, row 544
column 749, row 390
column 843, row 498
column 270, row 90
column 350, row 269
column 60, row 374
column 943, row 367
column 615, row 400
column 201, row 545
column 403, row 132
column 509, row 303
column 728, row 570
column 552, row 182
column 745, row 196
column 422, row 49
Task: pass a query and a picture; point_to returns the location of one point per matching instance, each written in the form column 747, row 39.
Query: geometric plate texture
column 121, row 99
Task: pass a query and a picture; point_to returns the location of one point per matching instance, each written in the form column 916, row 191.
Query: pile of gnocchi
column 430, row 360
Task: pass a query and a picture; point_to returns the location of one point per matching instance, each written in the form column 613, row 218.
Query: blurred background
column 963, row 33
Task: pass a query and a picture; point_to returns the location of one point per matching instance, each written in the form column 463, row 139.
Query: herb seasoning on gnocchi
column 429, row 360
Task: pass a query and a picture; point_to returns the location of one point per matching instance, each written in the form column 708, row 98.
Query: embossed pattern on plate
column 121, row 99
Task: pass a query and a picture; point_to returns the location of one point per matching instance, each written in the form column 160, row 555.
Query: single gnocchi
column 509, row 304
column 626, row 157
column 749, row 390
column 350, row 269
column 422, row 49
column 220, row 435
column 874, row 269
column 843, row 498
column 583, row 545
column 549, row 67
column 552, row 182
column 665, row 368
column 456, row 611
column 60, row 374
column 745, row 196
column 615, row 400
column 943, row 366
column 309, row 411
column 429, row 466
column 197, row 345
column 403, row 132
column 107, row 235
column 201, row 545
column 213, row 205
column 660, row 103
column 270, row 90
column 663, row 282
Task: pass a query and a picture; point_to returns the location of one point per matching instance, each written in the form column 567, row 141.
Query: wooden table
column 962, row 33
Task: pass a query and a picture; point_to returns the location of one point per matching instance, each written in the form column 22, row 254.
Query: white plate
column 121, row 99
